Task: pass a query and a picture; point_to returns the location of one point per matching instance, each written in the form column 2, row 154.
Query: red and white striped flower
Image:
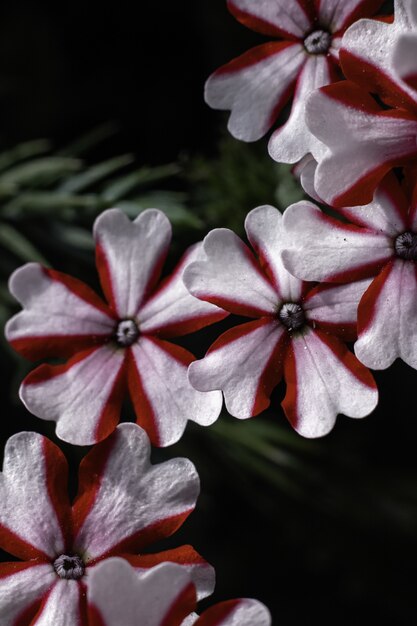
column 116, row 346
column 123, row 505
column 379, row 240
column 363, row 141
column 295, row 332
column 257, row 85
column 164, row 596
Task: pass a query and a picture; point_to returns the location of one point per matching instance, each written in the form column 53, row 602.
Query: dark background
column 329, row 535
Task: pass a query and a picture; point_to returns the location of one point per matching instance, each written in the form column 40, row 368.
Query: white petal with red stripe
column 172, row 311
column 83, row 397
column 404, row 59
column 130, row 256
column 246, row 364
column 324, row 248
column 64, row 606
column 22, row 587
column 387, row 318
column 241, row 612
column 119, row 597
column 338, row 14
column 33, row 513
column 124, row 502
column 266, row 234
column 324, row 379
column 274, row 18
column 255, row 87
column 292, row 141
column 231, row 277
column 163, row 397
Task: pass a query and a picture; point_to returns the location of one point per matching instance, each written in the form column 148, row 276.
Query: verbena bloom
column 164, row 596
column 295, row 332
column 124, row 504
column 378, row 240
column 257, row 85
column 361, row 140
column 116, row 346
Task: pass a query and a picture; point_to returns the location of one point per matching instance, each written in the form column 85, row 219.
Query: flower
column 295, row 332
column 117, row 345
column 363, row 141
column 123, row 505
column 163, row 596
column 379, row 240
column 257, row 85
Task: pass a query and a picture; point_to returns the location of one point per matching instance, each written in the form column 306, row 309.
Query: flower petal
column 274, row 18
column 164, row 399
column 119, row 597
column 330, row 250
column 387, row 318
column 172, row 311
column 242, row 612
column 404, row 59
column 202, row 574
column 323, row 379
column 22, row 587
column 65, row 605
column 83, row 396
column 130, row 256
column 124, row 503
column 231, row 277
column 292, row 141
column 255, row 87
column 34, row 511
column 363, row 142
column 246, row 364
column 338, row 14
column 61, row 314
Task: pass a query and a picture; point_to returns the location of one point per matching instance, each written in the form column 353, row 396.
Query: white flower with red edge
column 257, row 85
column 116, row 346
column 361, row 140
column 296, row 332
column 124, row 504
column 378, row 240
column 164, row 596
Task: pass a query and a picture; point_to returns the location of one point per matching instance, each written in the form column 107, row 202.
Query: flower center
column 127, row 333
column 318, row 42
column 406, row 246
column 291, row 315
column 69, row 567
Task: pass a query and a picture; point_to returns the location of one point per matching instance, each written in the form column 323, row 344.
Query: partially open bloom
column 379, row 240
column 163, row 596
column 361, row 140
column 296, row 332
column 257, row 85
column 123, row 505
column 117, row 345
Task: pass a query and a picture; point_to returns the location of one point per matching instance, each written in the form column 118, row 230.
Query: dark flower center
column 127, row 333
column 318, row 42
column 291, row 315
column 406, row 246
column 69, row 567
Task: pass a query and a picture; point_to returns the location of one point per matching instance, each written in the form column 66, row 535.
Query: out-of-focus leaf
column 121, row 187
column 95, row 174
column 170, row 202
column 74, row 236
column 23, row 151
column 48, row 202
column 15, row 242
column 39, row 172
column 91, row 139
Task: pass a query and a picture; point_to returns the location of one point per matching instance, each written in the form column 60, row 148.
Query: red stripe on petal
column 289, row 403
column 178, row 329
column 237, row 332
column 366, row 8
column 184, row 555
column 94, row 616
column 215, row 615
column 258, row 24
column 13, row 544
column 110, row 415
column 46, row 372
column 252, row 57
column 28, row 614
column 367, row 305
column 184, row 604
column 80, row 289
column 271, row 375
column 56, row 471
column 82, row 604
column 14, row 567
column 23, row 621
column 346, row 332
column 105, row 276
column 142, row 405
column 35, row 348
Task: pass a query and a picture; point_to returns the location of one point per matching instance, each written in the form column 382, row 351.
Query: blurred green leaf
column 17, row 244
column 121, row 187
column 23, row 151
column 170, row 202
column 94, row 174
column 48, row 202
column 39, row 172
column 91, row 139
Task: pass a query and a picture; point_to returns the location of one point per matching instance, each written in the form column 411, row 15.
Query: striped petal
column 162, row 395
column 22, row 588
column 130, row 255
column 84, row 396
column 404, row 59
column 124, row 503
column 277, row 18
column 246, row 364
column 338, row 14
column 324, row 379
column 242, row 612
column 65, row 605
column 61, row 315
column 172, row 311
column 387, row 318
column 255, row 87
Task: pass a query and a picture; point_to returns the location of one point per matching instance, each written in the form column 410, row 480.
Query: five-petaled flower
column 379, row 240
column 296, row 332
column 113, row 346
column 257, row 85
column 123, row 505
column 163, row 596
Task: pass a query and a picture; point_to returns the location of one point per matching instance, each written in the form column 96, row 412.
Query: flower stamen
column 69, row 567
column 127, row 333
column 318, row 42
column 406, row 246
column 291, row 315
